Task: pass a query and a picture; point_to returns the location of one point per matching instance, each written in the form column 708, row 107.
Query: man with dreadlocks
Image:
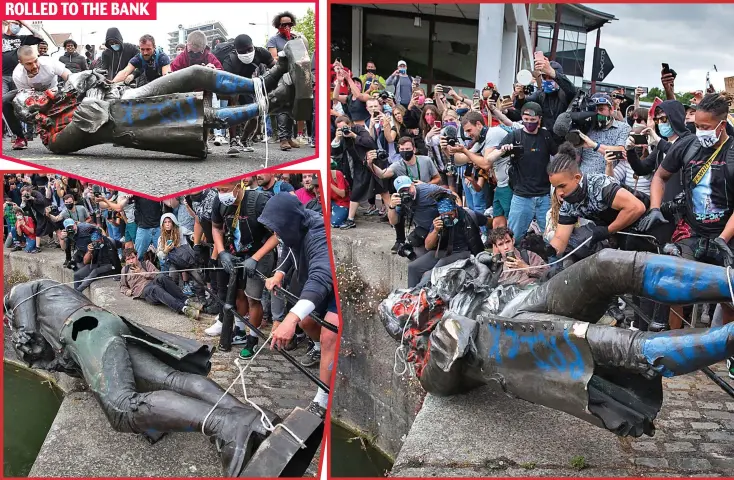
column 706, row 161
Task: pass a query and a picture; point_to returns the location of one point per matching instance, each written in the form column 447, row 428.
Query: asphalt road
column 155, row 173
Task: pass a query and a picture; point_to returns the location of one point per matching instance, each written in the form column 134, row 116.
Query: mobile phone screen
column 437, row 124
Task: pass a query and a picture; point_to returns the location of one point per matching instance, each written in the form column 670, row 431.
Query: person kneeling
column 520, row 267
column 143, row 280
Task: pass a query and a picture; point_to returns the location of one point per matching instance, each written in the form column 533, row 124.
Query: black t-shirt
column 710, row 202
column 250, row 234
column 11, row 43
column 530, row 174
column 147, row 213
column 357, row 109
column 232, row 64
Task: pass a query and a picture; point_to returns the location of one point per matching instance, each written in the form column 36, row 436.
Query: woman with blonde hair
column 176, row 254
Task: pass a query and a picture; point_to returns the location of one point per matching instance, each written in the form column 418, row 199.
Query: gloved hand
column 250, row 266
column 724, row 252
column 652, row 218
column 197, row 250
column 550, row 251
column 228, row 261
column 598, row 234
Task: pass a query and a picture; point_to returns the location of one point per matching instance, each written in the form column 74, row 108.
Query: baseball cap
column 402, row 62
column 402, row 182
column 532, row 108
column 68, row 223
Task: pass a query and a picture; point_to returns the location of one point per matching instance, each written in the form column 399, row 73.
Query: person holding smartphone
column 516, row 260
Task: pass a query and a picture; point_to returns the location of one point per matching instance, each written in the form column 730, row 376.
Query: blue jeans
column 30, row 245
column 219, row 103
column 523, row 211
column 338, row 214
column 144, row 237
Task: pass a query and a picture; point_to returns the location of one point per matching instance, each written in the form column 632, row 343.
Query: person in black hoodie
column 117, row 55
column 307, row 262
column 72, row 60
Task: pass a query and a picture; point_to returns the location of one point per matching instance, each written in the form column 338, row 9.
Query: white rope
column 731, row 290
column 261, row 97
column 545, row 265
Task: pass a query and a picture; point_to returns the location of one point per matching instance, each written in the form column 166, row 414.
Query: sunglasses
column 661, row 120
column 283, row 25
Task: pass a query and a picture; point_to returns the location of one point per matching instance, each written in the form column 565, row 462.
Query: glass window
column 341, row 34
column 389, row 39
column 455, row 53
column 545, row 45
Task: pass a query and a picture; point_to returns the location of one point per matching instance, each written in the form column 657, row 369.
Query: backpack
column 223, row 50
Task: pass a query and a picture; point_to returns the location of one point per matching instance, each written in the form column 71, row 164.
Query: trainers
column 249, row 350
column 316, row 409
column 730, row 366
column 312, row 357
column 216, row 328
column 188, row 291
column 396, row 247
column 348, row 224
column 235, row 147
column 295, row 342
column 191, row 312
column 293, row 143
column 248, row 147
column 285, row 145
column 218, row 140
column 20, row 144
column 371, row 211
column 239, row 337
column 193, row 303
column 312, row 143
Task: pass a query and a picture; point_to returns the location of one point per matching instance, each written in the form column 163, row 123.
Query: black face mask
column 196, row 57
column 691, row 126
column 578, row 195
column 371, row 71
column 69, row 206
column 406, row 154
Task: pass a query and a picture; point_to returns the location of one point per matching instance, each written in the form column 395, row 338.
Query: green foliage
column 684, row 98
column 579, row 462
column 306, row 27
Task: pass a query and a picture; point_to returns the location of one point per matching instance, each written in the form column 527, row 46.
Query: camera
column 406, row 251
column 382, row 155
column 516, row 150
column 346, row 131
column 96, row 191
column 406, row 198
column 54, row 210
column 528, row 89
column 447, row 219
column 26, row 196
column 69, row 231
column 384, row 95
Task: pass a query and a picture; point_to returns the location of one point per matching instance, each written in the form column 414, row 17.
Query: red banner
column 75, row 10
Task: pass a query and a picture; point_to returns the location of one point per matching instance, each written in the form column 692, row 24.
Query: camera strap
column 705, row 168
column 417, row 166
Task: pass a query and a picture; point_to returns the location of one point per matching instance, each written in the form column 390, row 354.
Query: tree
column 684, row 98
column 307, row 28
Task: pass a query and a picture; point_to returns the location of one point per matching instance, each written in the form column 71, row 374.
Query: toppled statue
column 541, row 344
column 152, row 382
column 169, row 114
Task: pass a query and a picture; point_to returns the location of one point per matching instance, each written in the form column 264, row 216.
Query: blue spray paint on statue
column 237, row 115
column 182, row 110
column 229, row 83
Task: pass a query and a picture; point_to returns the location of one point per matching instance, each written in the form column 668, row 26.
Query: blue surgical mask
column 116, row 47
column 461, row 111
column 549, row 86
column 227, row 199
column 15, row 28
column 403, row 70
column 666, row 130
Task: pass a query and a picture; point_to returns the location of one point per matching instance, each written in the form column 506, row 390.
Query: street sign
column 602, row 65
column 729, row 84
column 543, row 12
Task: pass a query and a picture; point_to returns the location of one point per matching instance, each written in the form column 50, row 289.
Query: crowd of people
column 234, row 244
column 543, row 173
column 27, row 64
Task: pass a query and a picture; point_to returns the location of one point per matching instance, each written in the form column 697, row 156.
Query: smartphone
column 510, row 254
column 618, row 155
column 469, row 170
column 640, row 139
column 477, row 93
column 417, row 80
column 437, row 124
column 644, row 90
column 169, row 242
column 495, row 95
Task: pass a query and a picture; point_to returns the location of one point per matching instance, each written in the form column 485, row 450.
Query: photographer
column 25, row 226
column 418, row 168
column 529, row 150
column 554, row 97
column 454, row 235
column 353, row 142
column 33, row 204
column 605, row 132
column 515, row 260
column 100, row 259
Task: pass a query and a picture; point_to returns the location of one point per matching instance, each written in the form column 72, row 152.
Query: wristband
column 598, row 146
column 391, row 208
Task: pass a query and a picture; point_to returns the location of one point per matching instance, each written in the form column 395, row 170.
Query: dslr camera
column 406, row 251
column 406, row 200
column 382, row 155
column 54, row 210
column 528, row 89
column 346, row 131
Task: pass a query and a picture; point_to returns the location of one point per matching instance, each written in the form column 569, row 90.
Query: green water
column 351, row 458
column 30, row 408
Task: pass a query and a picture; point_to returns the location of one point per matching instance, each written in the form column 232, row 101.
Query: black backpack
column 223, row 50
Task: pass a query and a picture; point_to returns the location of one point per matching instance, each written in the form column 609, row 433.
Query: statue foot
column 240, row 433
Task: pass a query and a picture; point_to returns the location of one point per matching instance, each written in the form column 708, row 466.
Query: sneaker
column 730, row 366
column 191, row 312
column 248, row 147
column 285, row 145
column 312, row 357
column 188, row 291
column 312, row 143
column 295, row 342
column 239, row 337
column 193, row 303
column 371, row 211
column 216, row 328
column 396, row 248
column 316, row 409
column 219, row 140
column 249, row 349
column 235, row 147
column 20, row 144
column 302, row 140
column 348, row 224
column 293, row 143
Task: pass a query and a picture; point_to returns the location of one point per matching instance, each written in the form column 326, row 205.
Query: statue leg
column 152, row 374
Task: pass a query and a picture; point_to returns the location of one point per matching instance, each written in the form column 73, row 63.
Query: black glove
column 197, row 250
column 228, row 261
column 652, row 218
column 550, row 251
column 598, row 234
column 724, row 252
column 250, row 266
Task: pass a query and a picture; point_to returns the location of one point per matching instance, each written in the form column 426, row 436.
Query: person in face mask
column 605, row 132
column 118, row 53
column 12, row 41
column 244, row 60
column 371, row 77
column 403, row 84
column 418, row 168
column 529, row 151
column 197, row 53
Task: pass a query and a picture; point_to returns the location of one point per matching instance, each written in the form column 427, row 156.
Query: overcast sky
column 690, row 38
column 235, row 17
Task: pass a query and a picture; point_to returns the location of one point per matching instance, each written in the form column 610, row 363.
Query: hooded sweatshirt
column 677, row 117
column 182, row 60
column 74, row 62
column 304, row 248
column 113, row 61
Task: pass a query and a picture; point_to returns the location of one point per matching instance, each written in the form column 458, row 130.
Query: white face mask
column 708, row 138
column 227, row 199
column 246, row 58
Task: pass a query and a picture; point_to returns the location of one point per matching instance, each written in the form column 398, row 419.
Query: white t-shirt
column 47, row 77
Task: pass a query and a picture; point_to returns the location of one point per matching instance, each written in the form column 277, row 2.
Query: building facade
column 212, row 29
